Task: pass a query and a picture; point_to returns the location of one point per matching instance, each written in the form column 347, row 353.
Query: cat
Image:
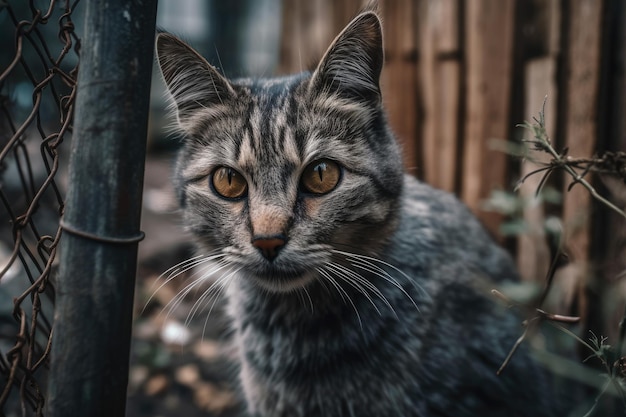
column 353, row 289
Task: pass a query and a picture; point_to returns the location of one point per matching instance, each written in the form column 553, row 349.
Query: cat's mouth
column 290, row 271
column 282, row 281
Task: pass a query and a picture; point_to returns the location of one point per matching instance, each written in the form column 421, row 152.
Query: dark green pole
column 98, row 250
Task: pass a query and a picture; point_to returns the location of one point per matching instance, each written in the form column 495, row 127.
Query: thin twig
column 614, row 162
column 517, row 344
column 531, row 324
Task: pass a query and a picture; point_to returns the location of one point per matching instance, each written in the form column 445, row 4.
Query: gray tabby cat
column 354, row 290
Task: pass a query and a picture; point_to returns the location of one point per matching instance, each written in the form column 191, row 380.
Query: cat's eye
column 229, row 183
column 320, row 177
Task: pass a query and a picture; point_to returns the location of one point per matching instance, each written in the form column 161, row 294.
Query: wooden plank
column 615, row 226
column 582, row 72
column 307, row 32
column 440, row 84
column 399, row 79
column 291, row 38
column 581, row 84
column 345, row 11
column 488, row 51
column 533, row 253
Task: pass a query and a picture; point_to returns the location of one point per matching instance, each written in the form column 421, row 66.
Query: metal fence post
column 98, row 251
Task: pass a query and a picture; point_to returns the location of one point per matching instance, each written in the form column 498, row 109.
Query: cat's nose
column 269, row 245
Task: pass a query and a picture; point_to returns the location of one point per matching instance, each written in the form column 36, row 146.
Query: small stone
column 207, row 350
column 174, row 332
column 156, row 385
column 187, row 375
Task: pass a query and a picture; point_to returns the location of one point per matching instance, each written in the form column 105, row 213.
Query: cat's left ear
column 352, row 65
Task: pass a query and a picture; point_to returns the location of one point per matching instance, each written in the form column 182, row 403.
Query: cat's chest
column 300, row 376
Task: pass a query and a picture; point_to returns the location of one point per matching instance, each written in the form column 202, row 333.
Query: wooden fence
column 460, row 74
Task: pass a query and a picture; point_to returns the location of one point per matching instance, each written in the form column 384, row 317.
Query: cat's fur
column 377, row 303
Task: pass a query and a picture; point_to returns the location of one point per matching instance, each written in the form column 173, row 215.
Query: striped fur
column 373, row 305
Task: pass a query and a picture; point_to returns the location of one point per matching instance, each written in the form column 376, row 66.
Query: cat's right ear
column 198, row 90
column 351, row 66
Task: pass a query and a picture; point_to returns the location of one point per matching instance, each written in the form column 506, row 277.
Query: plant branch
column 610, row 162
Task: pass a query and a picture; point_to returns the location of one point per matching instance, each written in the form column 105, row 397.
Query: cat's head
column 278, row 175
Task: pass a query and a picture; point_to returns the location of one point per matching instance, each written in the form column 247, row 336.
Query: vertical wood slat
column 308, row 29
column 488, row 52
column 344, row 12
column 582, row 72
column 440, row 83
column 399, row 78
column 291, row 38
column 615, row 226
column 580, row 120
column 533, row 254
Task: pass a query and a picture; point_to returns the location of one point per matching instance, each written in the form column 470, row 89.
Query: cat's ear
column 352, row 64
column 197, row 88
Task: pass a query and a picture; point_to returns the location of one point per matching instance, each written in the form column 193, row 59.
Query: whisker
column 206, row 293
column 306, row 292
column 176, row 270
column 216, row 296
column 201, row 274
column 301, row 292
column 200, row 278
column 341, row 292
column 367, row 263
column 349, row 277
column 179, row 297
column 225, row 281
column 381, row 273
column 369, row 285
column 188, row 263
column 219, row 284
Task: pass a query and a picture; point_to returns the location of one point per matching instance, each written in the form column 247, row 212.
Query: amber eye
column 229, row 183
column 321, row 177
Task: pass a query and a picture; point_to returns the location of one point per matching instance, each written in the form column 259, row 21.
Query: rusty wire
column 38, row 69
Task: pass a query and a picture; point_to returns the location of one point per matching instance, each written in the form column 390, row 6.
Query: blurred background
column 459, row 77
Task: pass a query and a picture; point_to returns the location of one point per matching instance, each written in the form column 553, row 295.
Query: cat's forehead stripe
column 245, row 156
column 269, row 136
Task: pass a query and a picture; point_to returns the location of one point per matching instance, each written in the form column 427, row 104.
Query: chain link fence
column 38, row 69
